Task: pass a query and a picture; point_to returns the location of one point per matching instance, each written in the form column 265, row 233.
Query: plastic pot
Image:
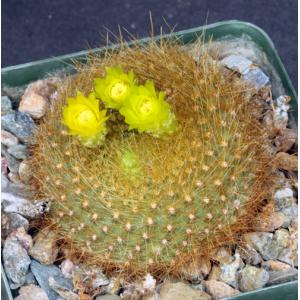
column 23, row 74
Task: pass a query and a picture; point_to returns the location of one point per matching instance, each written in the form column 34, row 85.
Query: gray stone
column 91, row 275
column 250, row 255
column 10, row 222
column 6, row 106
column 8, row 139
column 284, row 198
column 18, row 189
column 18, row 151
column 256, row 77
column 219, row 289
column 277, row 277
column 252, row 278
column 16, row 262
column 29, row 209
column 67, row 268
column 263, row 243
column 30, row 279
column 63, row 287
column 31, row 292
column 14, row 177
column 20, row 124
column 229, row 271
column 12, row 163
column 289, row 213
column 237, row 63
column 42, row 273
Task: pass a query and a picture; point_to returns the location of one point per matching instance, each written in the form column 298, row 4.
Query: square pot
column 25, row 73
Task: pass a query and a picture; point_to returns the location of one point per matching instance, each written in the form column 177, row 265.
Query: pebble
column 20, row 124
column 288, row 255
column 25, row 171
column 19, row 151
column 63, row 287
column 285, row 161
column 108, row 297
column 45, row 249
column 263, row 243
column 290, row 213
column 14, row 177
column 6, row 106
column 31, row 292
column 114, row 286
column 277, row 277
column 229, row 271
column 30, row 279
column 18, row 189
column 214, row 273
column 275, row 265
column 33, row 104
column 284, row 198
column 181, row 291
column 237, row 63
column 252, row 278
column 149, row 282
column 29, row 209
column 8, row 139
column 286, row 139
column 256, row 77
column 222, row 255
column 42, row 273
column 23, row 237
column 4, row 166
column 67, row 268
column 250, row 255
column 281, row 108
column 16, row 262
column 219, row 289
column 196, row 270
column 10, row 222
column 91, row 276
column 12, row 163
column 270, row 222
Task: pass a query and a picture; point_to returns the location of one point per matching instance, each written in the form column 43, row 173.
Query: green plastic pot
column 25, row 73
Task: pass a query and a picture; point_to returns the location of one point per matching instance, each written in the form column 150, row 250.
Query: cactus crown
column 137, row 202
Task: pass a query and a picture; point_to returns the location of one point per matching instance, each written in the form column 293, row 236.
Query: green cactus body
column 163, row 201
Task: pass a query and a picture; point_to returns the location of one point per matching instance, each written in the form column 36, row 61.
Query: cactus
column 141, row 203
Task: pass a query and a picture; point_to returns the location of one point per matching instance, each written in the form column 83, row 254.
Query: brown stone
column 45, row 249
column 196, row 270
column 286, row 139
column 286, row 161
column 31, row 292
column 219, row 289
column 181, row 291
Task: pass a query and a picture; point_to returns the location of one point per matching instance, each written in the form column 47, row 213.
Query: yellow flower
column 148, row 112
column 84, row 119
column 115, row 87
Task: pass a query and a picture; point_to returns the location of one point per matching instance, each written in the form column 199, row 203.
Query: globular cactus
column 188, row 192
